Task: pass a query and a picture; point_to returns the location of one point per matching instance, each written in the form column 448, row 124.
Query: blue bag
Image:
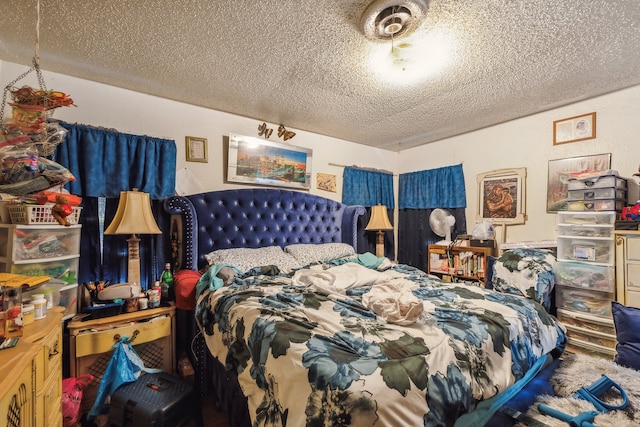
column 124, row 367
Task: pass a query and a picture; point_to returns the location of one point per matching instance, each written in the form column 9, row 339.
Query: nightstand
column 91, row 344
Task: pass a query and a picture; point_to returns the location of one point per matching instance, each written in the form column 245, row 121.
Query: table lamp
column 379, row 222
column 133, row 216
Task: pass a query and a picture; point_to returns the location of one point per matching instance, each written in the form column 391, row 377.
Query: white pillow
column 247, row 258
column 321, row 252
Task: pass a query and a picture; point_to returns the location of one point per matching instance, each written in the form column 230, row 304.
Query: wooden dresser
column 31, row 376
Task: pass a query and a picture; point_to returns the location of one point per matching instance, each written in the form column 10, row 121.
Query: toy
column 632, row 212
column 61, row 210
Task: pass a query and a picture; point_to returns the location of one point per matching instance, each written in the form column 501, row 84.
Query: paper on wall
column 187, row 183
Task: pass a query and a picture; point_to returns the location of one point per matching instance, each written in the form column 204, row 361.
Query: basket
column 38, row 214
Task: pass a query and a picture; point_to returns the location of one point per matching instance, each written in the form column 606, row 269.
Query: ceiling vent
column 385, row 20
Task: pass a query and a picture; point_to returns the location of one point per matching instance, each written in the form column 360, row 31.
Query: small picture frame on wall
column 196, row 149
column 573, row 129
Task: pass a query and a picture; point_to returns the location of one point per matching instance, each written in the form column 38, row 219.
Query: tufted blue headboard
column 255, row 217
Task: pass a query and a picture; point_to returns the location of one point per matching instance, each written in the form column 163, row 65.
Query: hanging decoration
column 284, row 133
column 29, row 135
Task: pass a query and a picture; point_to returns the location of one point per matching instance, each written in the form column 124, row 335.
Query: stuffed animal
column 61, row 210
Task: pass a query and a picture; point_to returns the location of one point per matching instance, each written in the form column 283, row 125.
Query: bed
column 343, row 338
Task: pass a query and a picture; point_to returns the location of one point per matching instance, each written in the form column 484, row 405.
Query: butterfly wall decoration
column 264, row 131
column 284, row 133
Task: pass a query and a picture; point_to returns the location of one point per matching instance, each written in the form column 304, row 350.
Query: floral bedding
column 308, row 351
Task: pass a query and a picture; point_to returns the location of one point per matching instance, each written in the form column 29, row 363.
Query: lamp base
column 380, row 243
column 133, row 266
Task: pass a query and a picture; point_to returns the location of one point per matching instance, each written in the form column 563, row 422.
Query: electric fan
column 442, row 222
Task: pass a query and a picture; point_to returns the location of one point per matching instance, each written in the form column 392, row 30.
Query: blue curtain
column 105, row 162
column 420, row 193
column 433, row 188
column 369, row 188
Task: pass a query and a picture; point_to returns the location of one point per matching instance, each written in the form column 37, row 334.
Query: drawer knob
column 117, row 337
column 54, row 350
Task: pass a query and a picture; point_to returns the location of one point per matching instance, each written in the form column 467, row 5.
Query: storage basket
column 38, row 214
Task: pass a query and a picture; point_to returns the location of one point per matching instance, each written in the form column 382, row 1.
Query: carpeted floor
column 578, row 370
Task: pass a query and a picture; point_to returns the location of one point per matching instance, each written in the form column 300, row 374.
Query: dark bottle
column 166, row 284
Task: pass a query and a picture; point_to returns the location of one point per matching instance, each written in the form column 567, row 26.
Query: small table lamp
column 133, row 216
column 379, row 222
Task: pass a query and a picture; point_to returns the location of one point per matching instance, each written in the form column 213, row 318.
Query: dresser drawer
column 95, row 342
column 49, row 359
column 49, row 398
column 16, row 407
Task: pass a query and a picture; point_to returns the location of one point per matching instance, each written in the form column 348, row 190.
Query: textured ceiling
column 307, row 64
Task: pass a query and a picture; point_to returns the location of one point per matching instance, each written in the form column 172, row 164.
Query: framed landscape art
column 262, row 162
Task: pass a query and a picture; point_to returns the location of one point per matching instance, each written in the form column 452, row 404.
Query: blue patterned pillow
column 626, row 321
column 526, row 272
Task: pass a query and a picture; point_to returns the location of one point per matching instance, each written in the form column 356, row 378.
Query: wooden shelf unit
column 459, row 263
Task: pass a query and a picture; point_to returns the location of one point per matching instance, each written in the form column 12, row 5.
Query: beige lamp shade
column 379, row 219
column 134, row 215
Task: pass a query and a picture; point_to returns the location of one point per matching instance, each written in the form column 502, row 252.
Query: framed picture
column 562, row 169
column 326, row 182
column 264, row 162
column 574, row 129
column 501, row 196
column 196, row 149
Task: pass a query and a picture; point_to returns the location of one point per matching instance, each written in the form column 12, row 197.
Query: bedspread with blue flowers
column 309, row 356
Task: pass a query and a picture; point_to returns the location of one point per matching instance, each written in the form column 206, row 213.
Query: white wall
column 528, row 142
column 136, row 113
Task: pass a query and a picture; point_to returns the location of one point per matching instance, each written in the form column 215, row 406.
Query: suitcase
column 158, row 400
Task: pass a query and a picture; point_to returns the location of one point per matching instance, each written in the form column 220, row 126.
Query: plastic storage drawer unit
column 595, row 250
column 155, row 400
column 598, row 193
column 597, row 182
column 585, row 276
column 584, row 301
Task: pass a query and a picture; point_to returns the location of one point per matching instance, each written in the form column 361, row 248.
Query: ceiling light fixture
column 385, row 20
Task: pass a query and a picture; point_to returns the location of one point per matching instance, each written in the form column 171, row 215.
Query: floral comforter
column 311, row 353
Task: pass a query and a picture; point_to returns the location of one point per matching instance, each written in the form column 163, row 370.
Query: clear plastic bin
column 596, row 205
column 592, row 230
column 45, row 243
column 69, row 300
column 590, row 249
column 586, row 218
column 586, row 321
column 597, row 182
column 63, row 269
column 598, row 193
column 585, row 276
column 584, row 301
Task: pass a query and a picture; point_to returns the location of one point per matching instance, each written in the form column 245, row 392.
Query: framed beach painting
column 263, row 162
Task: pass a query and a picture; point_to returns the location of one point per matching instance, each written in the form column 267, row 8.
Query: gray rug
column 579, row 370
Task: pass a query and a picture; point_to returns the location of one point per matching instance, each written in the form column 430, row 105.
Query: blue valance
column 105, row 162
column 433, row 188
column 367, row 188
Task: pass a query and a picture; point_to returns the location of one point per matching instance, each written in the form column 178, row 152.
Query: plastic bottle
column 12, row 306
column 166, row 283
column 39, row 306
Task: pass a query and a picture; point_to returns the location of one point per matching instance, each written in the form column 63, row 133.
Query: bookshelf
column 459, row 263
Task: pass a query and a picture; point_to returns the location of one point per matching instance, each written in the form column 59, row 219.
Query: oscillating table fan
column 442, row 222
